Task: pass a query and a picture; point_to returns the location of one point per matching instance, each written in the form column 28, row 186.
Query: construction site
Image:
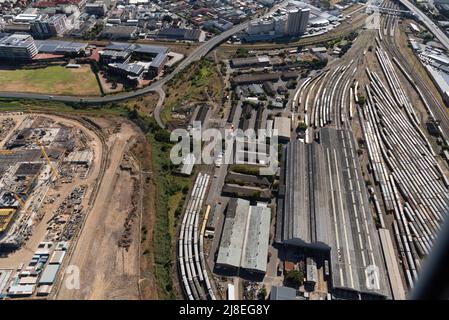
column 55, row 175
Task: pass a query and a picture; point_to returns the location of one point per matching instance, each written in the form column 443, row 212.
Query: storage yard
column 53, row 203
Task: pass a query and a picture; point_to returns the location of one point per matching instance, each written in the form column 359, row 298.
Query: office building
column 49, row 26
column 297, row 20
column 17, row 47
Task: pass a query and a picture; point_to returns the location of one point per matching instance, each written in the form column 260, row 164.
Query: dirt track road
column 106, row 270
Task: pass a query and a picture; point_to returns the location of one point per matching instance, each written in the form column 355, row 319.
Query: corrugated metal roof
column 283, row 126
column 49, row 274
column 282, row 293
column 57, row 257
column 245, row 238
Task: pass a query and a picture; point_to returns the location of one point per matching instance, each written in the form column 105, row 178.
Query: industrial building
column 258, row 61
column 61, row 47
column 117, row 52
column 283, row 126
column 120, row 32
column 245, row 237
column 256, row 78
column 323, row 209
column 282, row 293
column 181, row 34
column 18, row 47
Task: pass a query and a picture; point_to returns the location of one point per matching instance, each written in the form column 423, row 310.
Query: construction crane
column 44, row 153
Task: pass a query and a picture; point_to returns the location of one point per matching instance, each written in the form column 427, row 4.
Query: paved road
column 440, row 35
column 197, row 54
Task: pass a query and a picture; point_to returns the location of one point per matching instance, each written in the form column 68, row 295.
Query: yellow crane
column 44, row 153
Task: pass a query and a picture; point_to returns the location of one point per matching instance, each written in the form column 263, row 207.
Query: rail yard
column 363, row 186
column 332, row 182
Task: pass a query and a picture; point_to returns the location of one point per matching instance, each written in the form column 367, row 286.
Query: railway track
column 192, row 267
column 103, row 164
column 403, row 163
column 434, row 108
column 325, row 99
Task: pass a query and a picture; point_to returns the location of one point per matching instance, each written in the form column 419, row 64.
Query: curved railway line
column 413, row 186
column 435, row 109
column 325, row 98
column 92, row 126
column 191, row 262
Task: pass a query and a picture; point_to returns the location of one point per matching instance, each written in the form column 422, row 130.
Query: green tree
column 262, row 293
column 294, row 278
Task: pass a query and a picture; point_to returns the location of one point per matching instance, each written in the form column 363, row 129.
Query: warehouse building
column 256, row 78
column 283, row 126
column 49, row 274
column 61, row 47
column 181, row 34
column 282, row 293
column 323, row 208
column 244, row 239
column 259, row 61
column 120, row 32
column 157, row 55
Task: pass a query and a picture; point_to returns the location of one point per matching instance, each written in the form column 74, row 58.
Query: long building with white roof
column 245, row 237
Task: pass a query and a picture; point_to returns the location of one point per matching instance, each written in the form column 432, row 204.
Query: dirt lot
column 108, row 271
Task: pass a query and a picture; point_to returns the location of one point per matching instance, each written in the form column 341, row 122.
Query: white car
column 219, row 160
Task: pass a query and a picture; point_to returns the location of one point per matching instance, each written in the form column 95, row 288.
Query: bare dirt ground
column 106, row 270
column 142, row 153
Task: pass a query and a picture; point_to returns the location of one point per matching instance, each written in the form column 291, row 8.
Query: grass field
column 53, row 79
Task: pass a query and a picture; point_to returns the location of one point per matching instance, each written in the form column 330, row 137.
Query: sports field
column 53, row 79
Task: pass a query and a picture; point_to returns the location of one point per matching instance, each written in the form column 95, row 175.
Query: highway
column 441, row 36
column 197, row 54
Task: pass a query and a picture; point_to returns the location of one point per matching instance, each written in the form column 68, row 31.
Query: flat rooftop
column 245, row 236
column 325, row 207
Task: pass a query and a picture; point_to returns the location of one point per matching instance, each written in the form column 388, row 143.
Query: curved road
column 428, row 22
column 197, row 54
